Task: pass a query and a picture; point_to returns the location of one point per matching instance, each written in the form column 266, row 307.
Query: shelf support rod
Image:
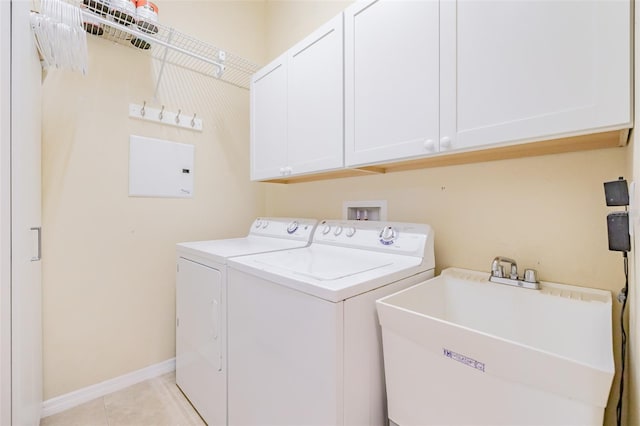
column 164, row 62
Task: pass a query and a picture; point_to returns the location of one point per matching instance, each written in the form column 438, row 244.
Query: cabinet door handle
column 39, row 256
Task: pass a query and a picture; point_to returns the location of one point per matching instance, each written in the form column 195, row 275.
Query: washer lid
column 329, row 272
column 308, row 263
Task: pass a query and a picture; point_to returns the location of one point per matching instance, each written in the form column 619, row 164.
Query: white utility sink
column 459, row 349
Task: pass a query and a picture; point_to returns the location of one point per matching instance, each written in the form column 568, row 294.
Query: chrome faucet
column 497, row 270
column 529, row 279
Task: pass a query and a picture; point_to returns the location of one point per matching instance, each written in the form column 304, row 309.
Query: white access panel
column 200, row 342
column 159, row 168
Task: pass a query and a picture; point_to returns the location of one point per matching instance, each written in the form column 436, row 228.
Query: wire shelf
column 165, row 43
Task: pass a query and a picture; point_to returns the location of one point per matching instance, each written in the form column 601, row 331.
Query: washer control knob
column 258, row 223
column 326, row 229
column 350, row 232
column 265, row 224
column 293, row 226
column 387, row 235
column 338, row 230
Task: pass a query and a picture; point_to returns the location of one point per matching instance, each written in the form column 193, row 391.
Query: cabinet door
column 391, row 80
column 269, row 120
column 5, row 213
column 526, row 70
column 26, row 267
column 315, row 101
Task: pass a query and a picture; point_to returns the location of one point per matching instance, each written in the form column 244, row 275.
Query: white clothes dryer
column 201, row 311
column 304, row 339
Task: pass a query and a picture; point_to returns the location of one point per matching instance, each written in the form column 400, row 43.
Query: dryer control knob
column 387, row 235
column 293, row 226
column 350, row 232
column 326, row 229
column 258, row 223
column 337, row 231
column 265, row 224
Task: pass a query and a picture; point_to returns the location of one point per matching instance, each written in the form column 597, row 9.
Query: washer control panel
column 403, row 238
column 290, row 228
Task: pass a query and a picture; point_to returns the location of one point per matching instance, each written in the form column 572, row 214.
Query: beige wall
column 546, row 212
column 108, row 259
column 109, row 287
column 632, row 375
column 288, row 21
column 633, row 399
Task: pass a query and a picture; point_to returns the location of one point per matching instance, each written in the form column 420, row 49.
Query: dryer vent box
column 159, row 168
column 364, row 210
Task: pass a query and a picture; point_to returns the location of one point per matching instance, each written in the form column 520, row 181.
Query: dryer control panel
column 282, row 227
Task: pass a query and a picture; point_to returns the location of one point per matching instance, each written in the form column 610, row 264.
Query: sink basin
column 459, row 349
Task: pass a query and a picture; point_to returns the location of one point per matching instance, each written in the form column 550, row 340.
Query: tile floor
column 155, row 402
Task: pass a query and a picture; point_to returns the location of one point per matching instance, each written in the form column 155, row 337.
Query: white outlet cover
column 159, row 168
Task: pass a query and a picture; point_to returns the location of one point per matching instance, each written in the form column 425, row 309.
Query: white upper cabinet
column 391, row 80
column 525, row 70
column 269, row 120
column 431, row 76
column 297, row 110
column 426, row 77
column 315, row 101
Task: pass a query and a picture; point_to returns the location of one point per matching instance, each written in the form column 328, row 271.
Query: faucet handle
column 498, row 271
column 530, row 276
column 514, row 271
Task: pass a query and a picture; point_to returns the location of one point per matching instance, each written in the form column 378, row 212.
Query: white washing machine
column 304, row 340
column 201, row 313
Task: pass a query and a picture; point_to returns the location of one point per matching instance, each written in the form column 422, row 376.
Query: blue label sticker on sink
column 470, row 362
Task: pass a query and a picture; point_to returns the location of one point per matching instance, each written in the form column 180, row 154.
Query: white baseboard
column 80, row 396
